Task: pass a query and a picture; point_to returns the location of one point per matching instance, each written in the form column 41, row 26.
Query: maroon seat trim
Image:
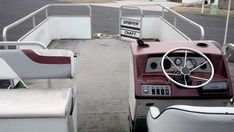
column 46, row 59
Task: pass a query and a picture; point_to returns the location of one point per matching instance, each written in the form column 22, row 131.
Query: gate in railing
column 153, row 26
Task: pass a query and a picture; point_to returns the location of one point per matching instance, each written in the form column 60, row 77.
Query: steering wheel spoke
column 185, row 81
column 173, row 74
column 173, row 64
column 198, row 66
column 200, row 78
column 185, row 57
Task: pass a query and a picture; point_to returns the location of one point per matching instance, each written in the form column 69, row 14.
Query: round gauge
column 167, row 64
column 191, row 63
column 178, row 61
column 203, row 67
column 153, row 65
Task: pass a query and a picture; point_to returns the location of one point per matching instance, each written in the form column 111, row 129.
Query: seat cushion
column 204, row 110
column 35, row 103
column 181, row 118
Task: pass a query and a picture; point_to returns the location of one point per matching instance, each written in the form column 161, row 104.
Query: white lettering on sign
column 131, row 23
column 131, row 33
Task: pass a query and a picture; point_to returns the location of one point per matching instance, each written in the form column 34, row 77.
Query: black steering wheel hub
column 183, row 79
column 185, row 70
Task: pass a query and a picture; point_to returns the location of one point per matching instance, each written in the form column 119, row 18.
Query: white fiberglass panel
column 70, row 27
column 59, row 27
column 8, row 72
column 40, row 34
column 151, row 27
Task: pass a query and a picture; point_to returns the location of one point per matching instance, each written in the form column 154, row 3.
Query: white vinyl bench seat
column 35, row 103
column 182, row 118
column 36, row 64
column 37, row 109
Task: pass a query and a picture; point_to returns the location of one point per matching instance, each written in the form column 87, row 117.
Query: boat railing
column 177, row 15
column 163, row 10
column 28, row 43
column 32, row 16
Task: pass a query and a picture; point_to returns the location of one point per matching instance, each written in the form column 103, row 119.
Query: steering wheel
column 184, row 73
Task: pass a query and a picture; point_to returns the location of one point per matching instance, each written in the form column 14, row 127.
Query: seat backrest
column 36, row 64
column 192, row 119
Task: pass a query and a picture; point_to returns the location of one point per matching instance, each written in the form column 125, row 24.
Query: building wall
column 223, row 4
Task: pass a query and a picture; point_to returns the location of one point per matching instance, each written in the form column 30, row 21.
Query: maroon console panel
column 150, row 81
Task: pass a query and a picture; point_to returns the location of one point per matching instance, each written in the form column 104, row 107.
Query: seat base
column 38, row 110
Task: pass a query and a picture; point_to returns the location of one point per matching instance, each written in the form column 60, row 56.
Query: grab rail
column 131, row 7
column 176, row 15
column 32, row 15
column 28, row 43
column 202, row 32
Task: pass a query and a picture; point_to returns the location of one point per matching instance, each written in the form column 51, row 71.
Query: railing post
column 34, row 21
column 91, row 15
column 75, row 73
column 163, row 12
column 120, row 20
column 175, row 21
column 46, row 12
column 142, row 15
column 202, row 32
column 4, row 36
column 226, row 27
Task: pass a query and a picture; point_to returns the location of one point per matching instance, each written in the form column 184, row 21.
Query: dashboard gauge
column 153, row 65
column 178, row 61
column 191, row 63
column 167, row 64
column 203, row 67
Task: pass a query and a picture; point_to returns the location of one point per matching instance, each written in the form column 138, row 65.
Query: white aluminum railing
column 175, row 15
column 33, row 15
column 132, row 8
column 28, row 43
